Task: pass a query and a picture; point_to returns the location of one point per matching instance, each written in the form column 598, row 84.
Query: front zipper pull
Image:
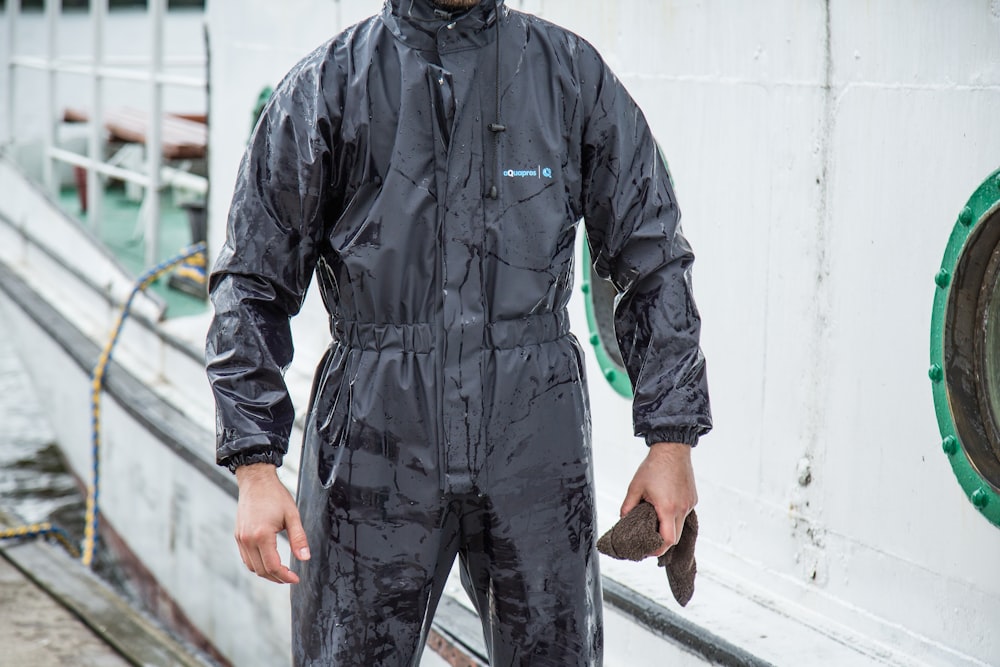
column 493, row 192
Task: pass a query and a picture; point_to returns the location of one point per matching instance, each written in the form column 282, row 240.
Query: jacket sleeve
column 633, row 227
column 260, row 278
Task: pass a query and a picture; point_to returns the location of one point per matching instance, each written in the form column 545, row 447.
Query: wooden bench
column 182, row 137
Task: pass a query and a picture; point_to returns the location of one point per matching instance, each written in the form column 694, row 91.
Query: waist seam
column 418, row 337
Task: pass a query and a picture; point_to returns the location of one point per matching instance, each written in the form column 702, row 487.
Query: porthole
column 965, row 349
column 599, row 296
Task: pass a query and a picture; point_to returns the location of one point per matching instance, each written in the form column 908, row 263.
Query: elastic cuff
column 687, row 435
column 272, row 456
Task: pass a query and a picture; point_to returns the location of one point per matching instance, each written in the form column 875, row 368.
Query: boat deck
column 121, row 234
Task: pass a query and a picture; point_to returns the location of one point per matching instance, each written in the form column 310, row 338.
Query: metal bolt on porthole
column 935, row 373
column 965, row 217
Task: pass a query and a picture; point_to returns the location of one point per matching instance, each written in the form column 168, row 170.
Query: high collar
column 424, row 26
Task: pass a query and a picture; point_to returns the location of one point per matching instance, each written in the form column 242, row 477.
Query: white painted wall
column 821, row 152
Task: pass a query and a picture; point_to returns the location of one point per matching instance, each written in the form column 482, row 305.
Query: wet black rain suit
column 433, row 180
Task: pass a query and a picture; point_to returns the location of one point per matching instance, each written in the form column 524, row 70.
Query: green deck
column 118, row 231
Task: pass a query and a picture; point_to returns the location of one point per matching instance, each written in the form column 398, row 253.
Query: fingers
column 297, row 535
column 671, row 527
column 261, row 567
column 259, row 552
column 632, row 498
column 273, row 568
column 252, row 554
column 671, row 524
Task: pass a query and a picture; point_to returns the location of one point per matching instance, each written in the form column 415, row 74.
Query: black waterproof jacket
column 437, row 199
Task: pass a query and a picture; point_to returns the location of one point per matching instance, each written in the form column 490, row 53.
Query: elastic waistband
column 531, row 330
column 418, row 337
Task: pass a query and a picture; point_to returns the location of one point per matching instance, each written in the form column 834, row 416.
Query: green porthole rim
column 263, row 97
column 613, row 373
column 600, row 339
column 983, row 205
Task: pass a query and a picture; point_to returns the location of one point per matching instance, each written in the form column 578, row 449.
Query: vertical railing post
column 13, row 13
column 154, row 138
column 53, row 9
column 95, row 187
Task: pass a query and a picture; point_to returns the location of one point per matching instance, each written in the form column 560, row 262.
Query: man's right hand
column 265, row 509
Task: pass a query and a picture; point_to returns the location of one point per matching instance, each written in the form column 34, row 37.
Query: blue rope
column 92, row 517
column 42, row 530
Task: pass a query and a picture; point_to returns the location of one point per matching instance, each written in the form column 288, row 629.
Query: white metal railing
column 140, row 61
column 99, row 67
column 95, row 188
column 13, row 10
column 74, row 66
column 53, row 10
column 154, row 134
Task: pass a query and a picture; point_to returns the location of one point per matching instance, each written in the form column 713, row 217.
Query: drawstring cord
column 497, row 126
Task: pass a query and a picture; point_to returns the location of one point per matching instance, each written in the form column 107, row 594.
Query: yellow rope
column 41, row 530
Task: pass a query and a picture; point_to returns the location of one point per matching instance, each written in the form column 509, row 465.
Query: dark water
column 34, row 484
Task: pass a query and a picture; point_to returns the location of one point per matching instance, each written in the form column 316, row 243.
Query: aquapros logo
column 537, row 172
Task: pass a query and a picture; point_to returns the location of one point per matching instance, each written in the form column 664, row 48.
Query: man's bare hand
column 266, row 508
column 665, row 479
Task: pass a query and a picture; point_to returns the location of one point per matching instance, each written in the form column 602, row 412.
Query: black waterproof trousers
column 385, row 532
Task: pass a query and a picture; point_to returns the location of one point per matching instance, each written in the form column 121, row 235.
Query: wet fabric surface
column 449, row 416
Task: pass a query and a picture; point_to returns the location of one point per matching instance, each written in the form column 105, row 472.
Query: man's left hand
column 665, row 479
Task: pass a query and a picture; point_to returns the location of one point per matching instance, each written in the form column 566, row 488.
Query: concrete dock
column 36, row 631
column 55, row 612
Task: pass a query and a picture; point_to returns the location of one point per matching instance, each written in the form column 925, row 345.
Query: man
column 430, row 166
